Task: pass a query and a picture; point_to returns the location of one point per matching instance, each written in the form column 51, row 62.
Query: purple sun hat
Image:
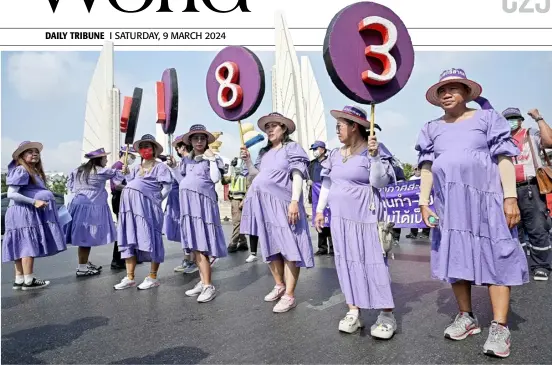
column 197, row 129
column 151, row 139
column 131, row 150
column 277, row 118
column 23, row 146
column 100, row 152
column 354, row 114
column 448, row 77
column 512, row 113
column 177, row 140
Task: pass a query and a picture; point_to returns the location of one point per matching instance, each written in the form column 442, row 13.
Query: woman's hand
column 319, row 222
column 171, row 162
column 511, row 212
column 426, row 213
column 240, row 206
column 293, row 212
column 373, row 146
column 40, row 204
column 125, row 170
column 244, row 154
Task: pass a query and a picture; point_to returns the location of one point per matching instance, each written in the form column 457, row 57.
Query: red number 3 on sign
column 230, row 94
column 388, row 32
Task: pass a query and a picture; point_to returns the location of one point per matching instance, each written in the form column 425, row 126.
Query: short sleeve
column 424, row 146
column 18, row 177
column 499, row 137
column 297, row 159
column 327, row 163
column 164, row 175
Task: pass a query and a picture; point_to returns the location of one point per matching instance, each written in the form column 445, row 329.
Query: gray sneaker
column 498, row 342
column 463, row 326
column 385, row 327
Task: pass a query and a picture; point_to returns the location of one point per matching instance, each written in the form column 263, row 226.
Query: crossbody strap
column 533, row 154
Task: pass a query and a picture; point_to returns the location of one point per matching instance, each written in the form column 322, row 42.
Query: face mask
column 514, row 124
column 316, row 154
column 146, row 153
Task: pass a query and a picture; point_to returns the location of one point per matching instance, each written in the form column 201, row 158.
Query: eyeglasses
column 199, row 138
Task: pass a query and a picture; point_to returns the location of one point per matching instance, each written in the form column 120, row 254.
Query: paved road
column 84, row 321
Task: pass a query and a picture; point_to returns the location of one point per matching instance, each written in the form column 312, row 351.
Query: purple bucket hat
column 354, row 114
column 448, row 77
column 512, row 113
column 100, row 152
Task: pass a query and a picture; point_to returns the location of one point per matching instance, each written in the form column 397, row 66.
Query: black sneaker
column 243, row 247
column 321, row 252
column 411, row 236
column 232, row 248
column 93, row 267
column 88, row 272
column 118, row 265
column 17, row 286
column 540, row 275
column 35, row 284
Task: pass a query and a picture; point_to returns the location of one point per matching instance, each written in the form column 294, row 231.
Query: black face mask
column 234, row 162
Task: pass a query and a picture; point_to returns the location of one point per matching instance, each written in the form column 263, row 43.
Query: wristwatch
column 539, row 119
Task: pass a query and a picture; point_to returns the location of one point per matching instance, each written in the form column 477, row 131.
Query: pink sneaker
column 284, row 305
column 275, row 294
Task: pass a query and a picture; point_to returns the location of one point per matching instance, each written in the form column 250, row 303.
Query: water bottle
column 433, row 220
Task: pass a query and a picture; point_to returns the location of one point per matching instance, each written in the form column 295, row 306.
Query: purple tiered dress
column 473, row 241
column 139, row 232
column 171, row 221
column 361, row 267
column 265, row 208
column 92, row 223
column 31, row 232
column 201, row 228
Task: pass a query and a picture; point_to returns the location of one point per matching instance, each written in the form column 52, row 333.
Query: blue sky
column 44, row 95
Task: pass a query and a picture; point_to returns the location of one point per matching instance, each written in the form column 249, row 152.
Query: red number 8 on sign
column 388, row 31
column 230, row 94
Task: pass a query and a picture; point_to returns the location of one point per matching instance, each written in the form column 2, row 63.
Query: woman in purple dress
column 139, row 232
column 201, row 228
column 92, row 223
column 32, row 223
column 352, row 176
column 466, row 155
column 171, row 223
column 273, row 208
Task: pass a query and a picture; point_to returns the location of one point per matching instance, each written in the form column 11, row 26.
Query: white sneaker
column 251, row 258
column 197, row 289
column 350, row 323
column 124, row 284
column 207, row 294
column 148, row 283
column 276, row 293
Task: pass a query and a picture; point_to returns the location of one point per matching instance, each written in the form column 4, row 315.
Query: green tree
column 57, row 184
column 408, row 170
column 4, row 186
